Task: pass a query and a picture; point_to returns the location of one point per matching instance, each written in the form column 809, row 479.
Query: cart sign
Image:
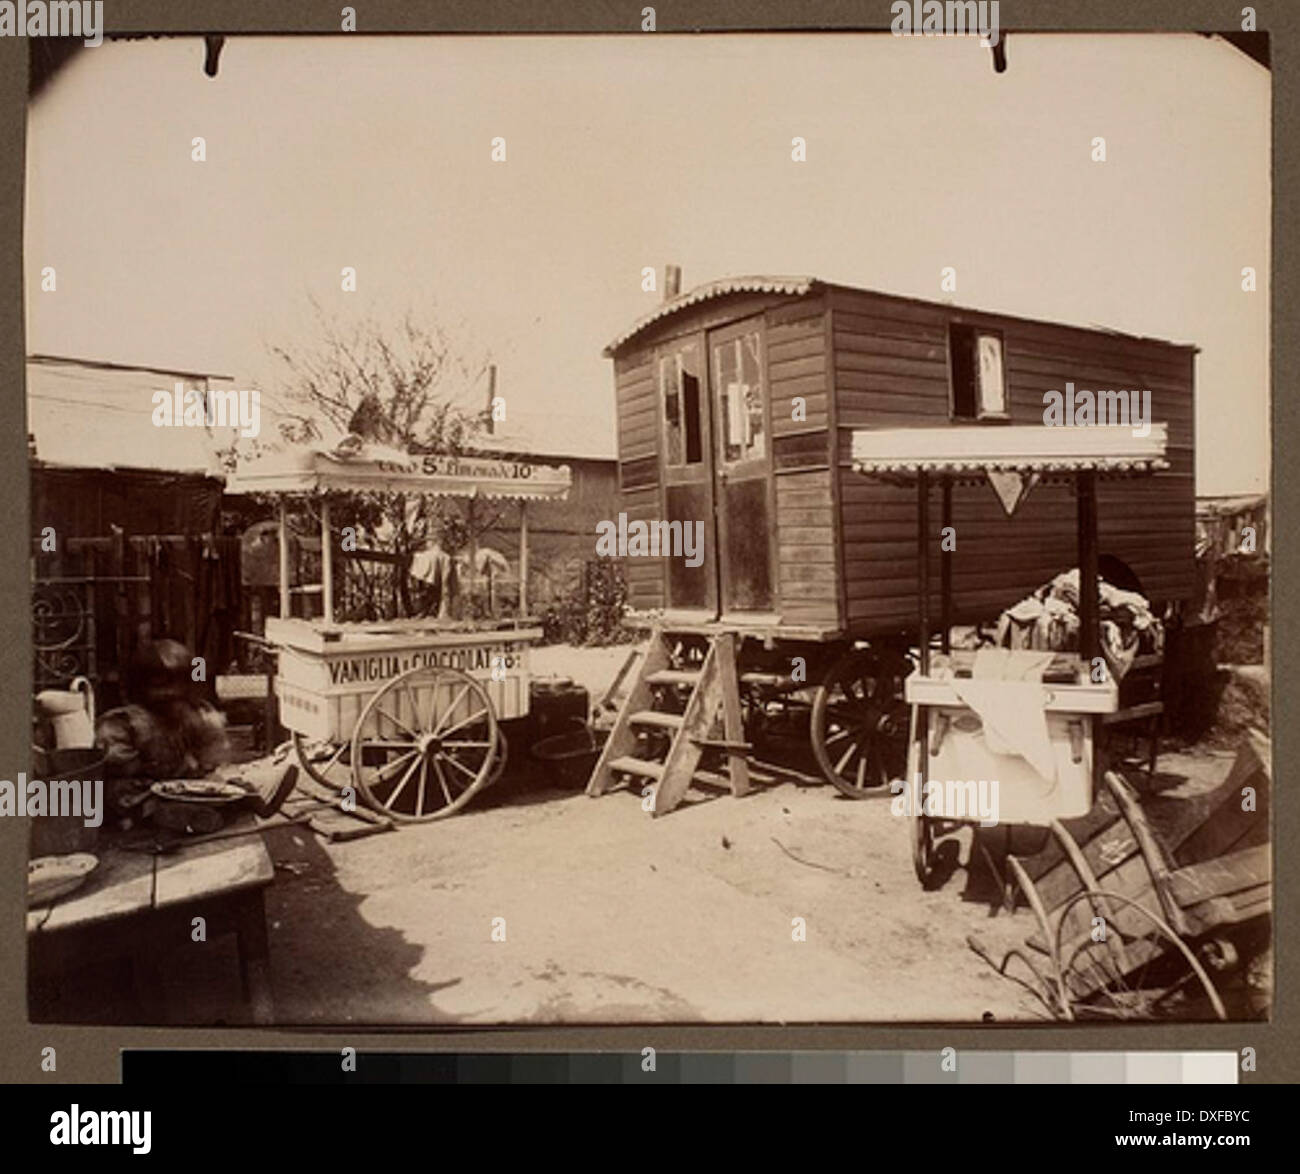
column 443, row 466
column 377, row 667
column 322, row 693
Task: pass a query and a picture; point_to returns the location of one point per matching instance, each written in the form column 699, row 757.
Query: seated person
column 170, row 731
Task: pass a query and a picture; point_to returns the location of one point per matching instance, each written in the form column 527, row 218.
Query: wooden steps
column 673, row 677
column 646, row 768
column 710, row 778
column 637, row 766
column 654, row 717
column 655, row 743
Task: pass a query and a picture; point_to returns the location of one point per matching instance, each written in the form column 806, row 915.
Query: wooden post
column 326, row 562
column 1085, row 483
column 285, row 610
column 1086, row 493
column 270, row 710
column 523, row 559
column 923, row 565
column 923, row 612
column 92, row 612
column 733, row 724
column 945, row 571
column 472, row 570
column 127, row 633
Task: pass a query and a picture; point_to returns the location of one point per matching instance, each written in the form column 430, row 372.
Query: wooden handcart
column 407, row 712
column 1155, row 908
column 959, row 723
column 1132, row 923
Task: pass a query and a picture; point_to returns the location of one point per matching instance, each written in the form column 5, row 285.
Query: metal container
column 60, row 835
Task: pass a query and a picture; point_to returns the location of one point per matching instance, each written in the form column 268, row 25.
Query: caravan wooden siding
column 638, row 468
column 892, row 370
column 843, row 550
column 797, row 367
column 798, row 377
column 806, row 549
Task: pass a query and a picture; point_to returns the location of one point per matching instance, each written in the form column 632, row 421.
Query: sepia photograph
column 653, row 528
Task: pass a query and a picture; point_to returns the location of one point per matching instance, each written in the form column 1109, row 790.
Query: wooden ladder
column 672, row 716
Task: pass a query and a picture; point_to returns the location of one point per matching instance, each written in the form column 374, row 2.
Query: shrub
column 591, row 610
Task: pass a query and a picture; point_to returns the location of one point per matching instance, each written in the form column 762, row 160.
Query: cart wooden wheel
column 1059, row 993
column 923, row 826
column 1160, row 978
column 318, row 759
column 319, row 762
column 859, row 721
column 500, row 757
column 425, row 744
column 923, row 848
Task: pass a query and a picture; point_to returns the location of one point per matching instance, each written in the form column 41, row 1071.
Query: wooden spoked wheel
column 1155, row 974
column 330, row 764
column 922, row 825
column 425, row 744
column 319, row 760
column 859, row 721
column 923, row 838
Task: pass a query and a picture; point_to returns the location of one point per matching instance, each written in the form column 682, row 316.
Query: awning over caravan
column 363, row 468
column 970, row 451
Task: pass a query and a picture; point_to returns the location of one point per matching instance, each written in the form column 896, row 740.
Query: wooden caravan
column 737, row 402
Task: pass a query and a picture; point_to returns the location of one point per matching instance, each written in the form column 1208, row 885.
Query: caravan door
column 742, row 459
column 680, row 368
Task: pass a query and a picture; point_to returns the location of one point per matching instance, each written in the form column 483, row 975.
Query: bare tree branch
column 405, row 386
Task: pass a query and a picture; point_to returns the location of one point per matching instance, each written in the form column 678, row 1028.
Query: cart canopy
column 968, row 452
column 357, row 467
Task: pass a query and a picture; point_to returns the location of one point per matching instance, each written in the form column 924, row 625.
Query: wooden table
column 143, row 905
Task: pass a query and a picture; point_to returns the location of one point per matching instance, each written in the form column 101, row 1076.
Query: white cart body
column 962, row 754
column 326, row 676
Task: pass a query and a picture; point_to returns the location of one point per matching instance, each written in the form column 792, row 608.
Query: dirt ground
column 610, row 915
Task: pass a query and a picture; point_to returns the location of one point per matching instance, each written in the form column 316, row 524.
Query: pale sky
column 634, row 151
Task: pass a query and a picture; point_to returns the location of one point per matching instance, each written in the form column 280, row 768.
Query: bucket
column 572, row 755
column 60, row 835
column 71, row 714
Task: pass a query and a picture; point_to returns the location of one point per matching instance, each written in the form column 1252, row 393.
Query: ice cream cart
column 407, row 711
column 1002, row 736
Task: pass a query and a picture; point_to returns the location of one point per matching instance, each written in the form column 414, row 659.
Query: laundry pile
column 1049, row 620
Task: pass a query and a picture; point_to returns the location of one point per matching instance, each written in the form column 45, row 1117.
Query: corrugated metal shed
column 87, row 414
column 559, row 435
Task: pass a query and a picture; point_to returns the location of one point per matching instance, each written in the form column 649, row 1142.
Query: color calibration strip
column 940, row 1066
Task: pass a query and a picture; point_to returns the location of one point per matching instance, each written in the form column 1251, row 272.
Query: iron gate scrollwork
column 62, row 631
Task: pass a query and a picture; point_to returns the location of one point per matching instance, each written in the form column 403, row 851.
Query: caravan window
column 679, row 390
column 740, row 398
column 978, row 381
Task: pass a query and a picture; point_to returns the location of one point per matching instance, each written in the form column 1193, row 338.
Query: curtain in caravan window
column 740, row 384
column 992, row 388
